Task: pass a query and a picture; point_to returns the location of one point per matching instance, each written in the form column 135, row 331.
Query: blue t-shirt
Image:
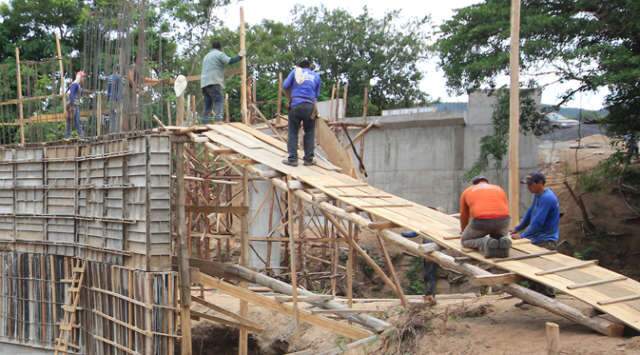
column 74, row 92
column 305, row 88
column 542, row 220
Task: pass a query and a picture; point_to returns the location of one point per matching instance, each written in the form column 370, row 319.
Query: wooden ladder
column 65, row 335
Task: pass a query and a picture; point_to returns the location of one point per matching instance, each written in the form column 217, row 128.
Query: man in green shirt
column 212, row 80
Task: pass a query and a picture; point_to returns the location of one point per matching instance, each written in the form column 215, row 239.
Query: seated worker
column 487, row 207
column 541, row 223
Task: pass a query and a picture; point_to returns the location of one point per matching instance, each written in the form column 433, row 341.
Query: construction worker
column 484, row 218
column 541, row 223
column 73, row 105
column 212, row 80
column 302, row 88
column 429, row 274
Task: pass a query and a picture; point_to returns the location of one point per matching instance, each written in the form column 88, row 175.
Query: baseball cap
column 534, row 178
column 476, row 179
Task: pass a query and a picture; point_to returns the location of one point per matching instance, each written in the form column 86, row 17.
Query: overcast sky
column 434, row 82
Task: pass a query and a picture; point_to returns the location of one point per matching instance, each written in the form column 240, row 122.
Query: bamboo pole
column 350, row 258
column 168, row 113
column 365, row 111
column 243, row 74
column 292, row 255
column 20, row 106
column 180, row 110
column 392, row 271
column 337, row 102
column 227, row 115
column 331, row 102
column 344, row 100
column 243, row 347
column 99, row 115
column 63, row 88
column 183, row 252
column 514, row 114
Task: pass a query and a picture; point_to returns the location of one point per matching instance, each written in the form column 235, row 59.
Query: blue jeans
column 301, row 114
column 213, row 99
column 73, row 110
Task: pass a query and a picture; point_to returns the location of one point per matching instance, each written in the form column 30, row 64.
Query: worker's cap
column 476, row 180
column 534, row 178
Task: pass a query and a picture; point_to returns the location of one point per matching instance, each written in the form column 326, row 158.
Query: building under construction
column 107, row 241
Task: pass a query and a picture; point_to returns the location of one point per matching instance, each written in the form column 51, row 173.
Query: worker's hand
column 242, row 53
column 515, row 235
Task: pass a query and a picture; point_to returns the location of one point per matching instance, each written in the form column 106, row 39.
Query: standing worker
column 487, row 207
column 73, row 105
column 302, row 88
column 541, row 223
column 212, row 80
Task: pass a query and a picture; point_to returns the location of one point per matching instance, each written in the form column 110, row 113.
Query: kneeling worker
column 488, row 208
column 302, row 88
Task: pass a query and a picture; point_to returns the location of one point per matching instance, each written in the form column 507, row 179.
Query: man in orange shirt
column 484, row 218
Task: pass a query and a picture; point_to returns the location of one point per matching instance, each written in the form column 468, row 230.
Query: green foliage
column 495, row 147
column 415, row 278
column 593, row 43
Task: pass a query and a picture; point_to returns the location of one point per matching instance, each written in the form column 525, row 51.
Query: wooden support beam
column 244, row 321
column 243, row 73
column 19, row 88
column 292, row 252
column 279, row 105
column 493, row 280
column 514, row 114
column 392, row 271
column 567, row 267
column 243, row 346
column 596, row 282
column 63, row 88
column 305, row 316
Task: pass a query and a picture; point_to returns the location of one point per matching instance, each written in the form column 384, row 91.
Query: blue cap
column 409, row 234
column 534, row 178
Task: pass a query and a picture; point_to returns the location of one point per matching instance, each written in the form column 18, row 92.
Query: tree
column 593, row 43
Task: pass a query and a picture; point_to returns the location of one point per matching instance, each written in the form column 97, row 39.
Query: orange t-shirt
column 483, row 201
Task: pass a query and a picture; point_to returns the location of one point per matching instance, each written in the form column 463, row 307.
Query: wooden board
column 441, row 228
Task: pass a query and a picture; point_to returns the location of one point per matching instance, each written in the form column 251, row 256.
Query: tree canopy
column 594, row 43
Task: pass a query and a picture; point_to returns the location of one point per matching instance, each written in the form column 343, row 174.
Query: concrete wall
column 423, row 157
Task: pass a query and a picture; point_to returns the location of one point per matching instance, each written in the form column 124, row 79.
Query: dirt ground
column 485, row 325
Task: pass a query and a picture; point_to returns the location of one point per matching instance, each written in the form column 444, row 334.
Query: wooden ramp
column 603, row 289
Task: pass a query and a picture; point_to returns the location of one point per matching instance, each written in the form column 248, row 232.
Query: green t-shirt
column 213, row 68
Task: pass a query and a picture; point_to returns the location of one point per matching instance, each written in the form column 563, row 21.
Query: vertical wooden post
column 344, row 100
column 63, row 88
column 243, row 74
column 514, row 114
column 301, row 244
column 148, row 314
column 227, row 115
column 279, row 106
column 292, row 253
column 553, row 338
column 98, row 115
column 20, row 107
column 180, row 111
column 193, row 108
column 331, row 102
column 254, row 91
column 337, row 101
column 183, row 252
column 334, row 259
column 365, row 111
column 243, row 348
column 350, row 258
column 168, row 113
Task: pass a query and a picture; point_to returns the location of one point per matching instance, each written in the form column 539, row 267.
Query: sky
column 434, row 82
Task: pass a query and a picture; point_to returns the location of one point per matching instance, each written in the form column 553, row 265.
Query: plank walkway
column 601, row 288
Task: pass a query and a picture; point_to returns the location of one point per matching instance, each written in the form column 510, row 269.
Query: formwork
column 107, row 202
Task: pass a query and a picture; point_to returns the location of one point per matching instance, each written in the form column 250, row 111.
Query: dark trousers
column 430, row 277
column 301, row 115
column 213, row 99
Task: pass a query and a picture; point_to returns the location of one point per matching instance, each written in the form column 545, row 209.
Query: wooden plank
column 336, row 154
column 619, row 300
column 234, row 324
column 342, row 186
column 386, row 206
column 527, row 256
column 381, row 225
column 343, row 329
column 493, row 280
column 568, row 267
column 596, row 282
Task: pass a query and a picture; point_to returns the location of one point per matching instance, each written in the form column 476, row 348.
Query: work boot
column 309, row 162
column 492, row 248
column 290, row 162
column 504, row 247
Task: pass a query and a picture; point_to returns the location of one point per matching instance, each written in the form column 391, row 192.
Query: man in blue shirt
column 73, row 105
column 302, row 88
column 541, row 223
column 212, row 80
